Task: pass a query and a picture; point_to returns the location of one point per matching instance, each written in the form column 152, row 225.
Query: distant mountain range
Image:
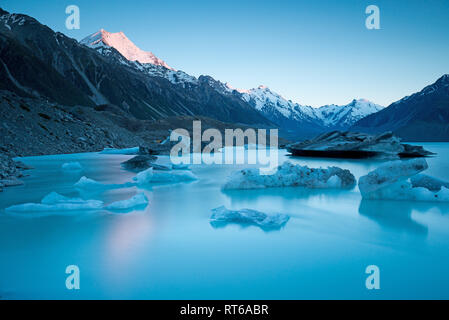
column 108, row 69
column 292, row 117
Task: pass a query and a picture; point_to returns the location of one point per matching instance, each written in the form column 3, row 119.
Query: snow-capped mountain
column 342, row 117
column 132, row 56
column 123, row 45
column 294, row 115
column 266, row 101
column 290, row 116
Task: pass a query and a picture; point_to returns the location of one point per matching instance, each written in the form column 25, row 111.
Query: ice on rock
column 150, row 176
column 72, row 166
column 126, row 151
column 139, row 200
column 221, row 216
column 400, row 180
column 56, row 202
column 290, row 175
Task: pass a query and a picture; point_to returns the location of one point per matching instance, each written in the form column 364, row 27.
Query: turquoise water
column 169, row 250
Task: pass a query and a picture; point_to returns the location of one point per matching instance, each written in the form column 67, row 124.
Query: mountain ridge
column 422, row 116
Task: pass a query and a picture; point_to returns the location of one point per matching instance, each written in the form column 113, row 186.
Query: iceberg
column 390, row 173
column 139, row 200
column 72, row 166
column 56, row 202
column 127, row 151
column 221, row 216
column 291, row 175
column 151, row 176
column 400, row 180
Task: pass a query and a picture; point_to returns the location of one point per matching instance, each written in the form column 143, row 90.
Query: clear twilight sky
column 313, row 52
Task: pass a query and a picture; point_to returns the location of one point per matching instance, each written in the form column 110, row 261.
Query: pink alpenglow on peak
column 123, row 45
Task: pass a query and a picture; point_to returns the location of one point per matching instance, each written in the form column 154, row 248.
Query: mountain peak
column 122, row 44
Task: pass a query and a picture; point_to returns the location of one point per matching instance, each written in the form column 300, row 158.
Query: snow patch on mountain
column 123, row 45
column 103, row 42
column 346, row 115
column 274, row 106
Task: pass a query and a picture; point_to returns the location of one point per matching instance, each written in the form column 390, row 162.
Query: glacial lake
column 170, row 250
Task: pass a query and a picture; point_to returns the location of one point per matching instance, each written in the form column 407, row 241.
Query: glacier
column 290, row 175
column 222, row 216
column 401, row 180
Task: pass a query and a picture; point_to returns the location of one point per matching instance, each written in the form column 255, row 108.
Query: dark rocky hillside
column 423, row 116
column 37, row 62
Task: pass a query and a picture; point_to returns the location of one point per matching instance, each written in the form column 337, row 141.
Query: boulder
column 140, row 162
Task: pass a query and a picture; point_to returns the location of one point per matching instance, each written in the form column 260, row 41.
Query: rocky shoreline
column 11, row 171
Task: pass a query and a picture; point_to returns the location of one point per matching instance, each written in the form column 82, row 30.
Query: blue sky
column 312, row 52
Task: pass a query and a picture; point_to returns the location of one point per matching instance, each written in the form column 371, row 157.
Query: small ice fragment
column 56, row 202
column 144, row 176
column 85, row 183
column 72, row 166
column 127, row 151
column 138, row 200
column 151, row 176
column 222, row 216
column 180, row 166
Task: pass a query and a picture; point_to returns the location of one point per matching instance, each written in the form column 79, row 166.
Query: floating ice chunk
column 72, row 166
column 290, row 175
column 85, row 183
column 403, row 190
column 144, row 176
column 428, row 182
column 399, row 180
column 151, row 176
column 180, row 166
column 169, row 177
column 222, row 216
column 56, row 202
column 139, row 200
column 390, row 173
column 127, row 151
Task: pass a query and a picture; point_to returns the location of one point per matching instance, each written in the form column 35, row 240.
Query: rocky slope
column 37, row 62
